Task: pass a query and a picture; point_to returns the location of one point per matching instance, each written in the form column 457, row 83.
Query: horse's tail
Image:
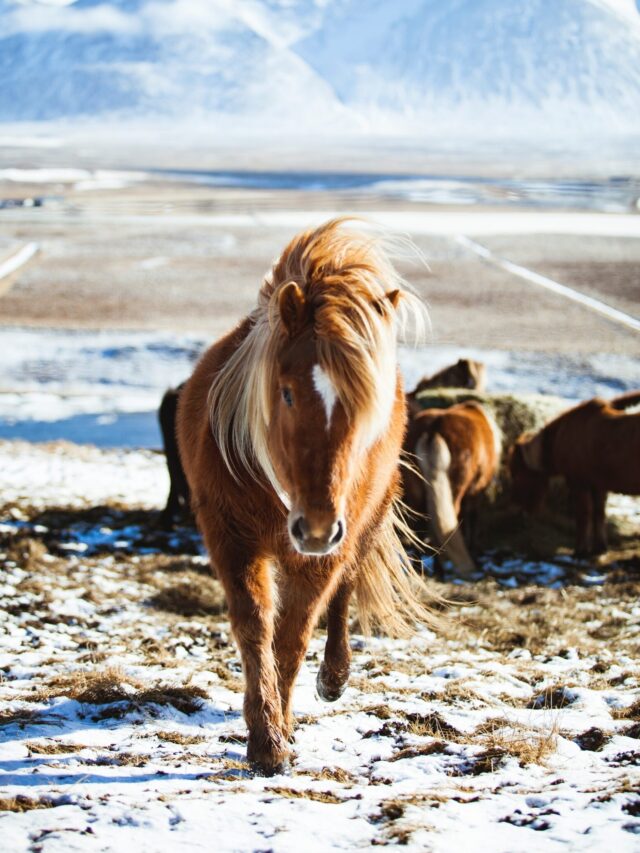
column 391, row 596
column 434, row 459
column 625, row 401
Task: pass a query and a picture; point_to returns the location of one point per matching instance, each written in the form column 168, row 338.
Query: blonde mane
column 346, row 277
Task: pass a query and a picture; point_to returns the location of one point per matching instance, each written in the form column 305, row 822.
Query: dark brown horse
column 465, row 373
column 596, row 447
column 457, row 451
column 290, row 430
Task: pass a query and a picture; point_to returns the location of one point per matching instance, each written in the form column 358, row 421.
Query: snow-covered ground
column 121, row 694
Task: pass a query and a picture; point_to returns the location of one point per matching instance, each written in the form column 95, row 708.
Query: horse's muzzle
column 318, row 536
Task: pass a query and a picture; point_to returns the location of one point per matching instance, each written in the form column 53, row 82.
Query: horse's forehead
column 298, row 355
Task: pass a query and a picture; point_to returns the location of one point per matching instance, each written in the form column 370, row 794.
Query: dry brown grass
column 306, row 794
column 54, row 747
column 436, row 747
column 525, row 745
column 367, row 685
column 113, row 686
column 22, row 717
column 186, row 599
column 123, row 759
column 631, row 712
column 230, row 680
column 331, row 774
column 382, row 712
column 499, row 738
column 24, row 804
column 432, row 725
column 459, row 693
column 545, row 620
column 180, row 738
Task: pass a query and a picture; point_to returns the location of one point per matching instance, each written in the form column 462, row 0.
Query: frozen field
column 121, row 697
column 120, row 719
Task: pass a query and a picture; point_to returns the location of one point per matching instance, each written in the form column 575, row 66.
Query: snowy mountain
column 485, row 59
column 413, row 65
column 150, row 57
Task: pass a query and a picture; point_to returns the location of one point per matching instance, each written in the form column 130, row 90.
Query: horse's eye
column 287, row 396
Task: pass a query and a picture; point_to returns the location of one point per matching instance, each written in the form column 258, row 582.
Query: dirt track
column 153, row 256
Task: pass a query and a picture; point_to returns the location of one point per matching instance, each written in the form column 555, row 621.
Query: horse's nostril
column 338, row 532
column 299, row 529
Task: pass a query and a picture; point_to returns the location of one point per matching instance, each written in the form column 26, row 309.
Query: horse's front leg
column 251, row 610
column 334, row 670
column 301, row 600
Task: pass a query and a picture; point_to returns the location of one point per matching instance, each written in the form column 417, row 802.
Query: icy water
column 616, row 194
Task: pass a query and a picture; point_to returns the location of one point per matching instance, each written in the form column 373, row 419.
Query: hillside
column 416, row 67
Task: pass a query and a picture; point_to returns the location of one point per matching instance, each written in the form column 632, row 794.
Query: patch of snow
column 68, row 475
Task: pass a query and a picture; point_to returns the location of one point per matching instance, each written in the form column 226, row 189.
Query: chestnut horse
column 595, row 446
column 458, row 452
column 290, row 430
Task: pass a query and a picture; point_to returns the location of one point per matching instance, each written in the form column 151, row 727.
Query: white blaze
column 326, row 390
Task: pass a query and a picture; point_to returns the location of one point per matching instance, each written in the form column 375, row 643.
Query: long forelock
column 344, row 276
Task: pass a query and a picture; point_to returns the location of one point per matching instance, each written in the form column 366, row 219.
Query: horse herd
column 285, row 444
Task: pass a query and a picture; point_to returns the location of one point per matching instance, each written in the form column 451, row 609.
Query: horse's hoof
column 282, row 768
column 330, row 693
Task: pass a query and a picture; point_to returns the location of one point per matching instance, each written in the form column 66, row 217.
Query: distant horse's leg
column 251, row 610
column 584, row 516
column 334, row 671
column 469, row 514
column 178, row 500
column 599, row 522
column 300, row 604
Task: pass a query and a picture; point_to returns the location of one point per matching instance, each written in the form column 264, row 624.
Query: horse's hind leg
column 584, row 519
column 334, row 670
column 251, row 610
column 599, row 499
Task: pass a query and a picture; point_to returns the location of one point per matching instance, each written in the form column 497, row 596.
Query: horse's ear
column 532, row 453
column 393, row 296
column 291, row 305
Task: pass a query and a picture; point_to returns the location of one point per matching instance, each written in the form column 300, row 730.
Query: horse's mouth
column 314, row 549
